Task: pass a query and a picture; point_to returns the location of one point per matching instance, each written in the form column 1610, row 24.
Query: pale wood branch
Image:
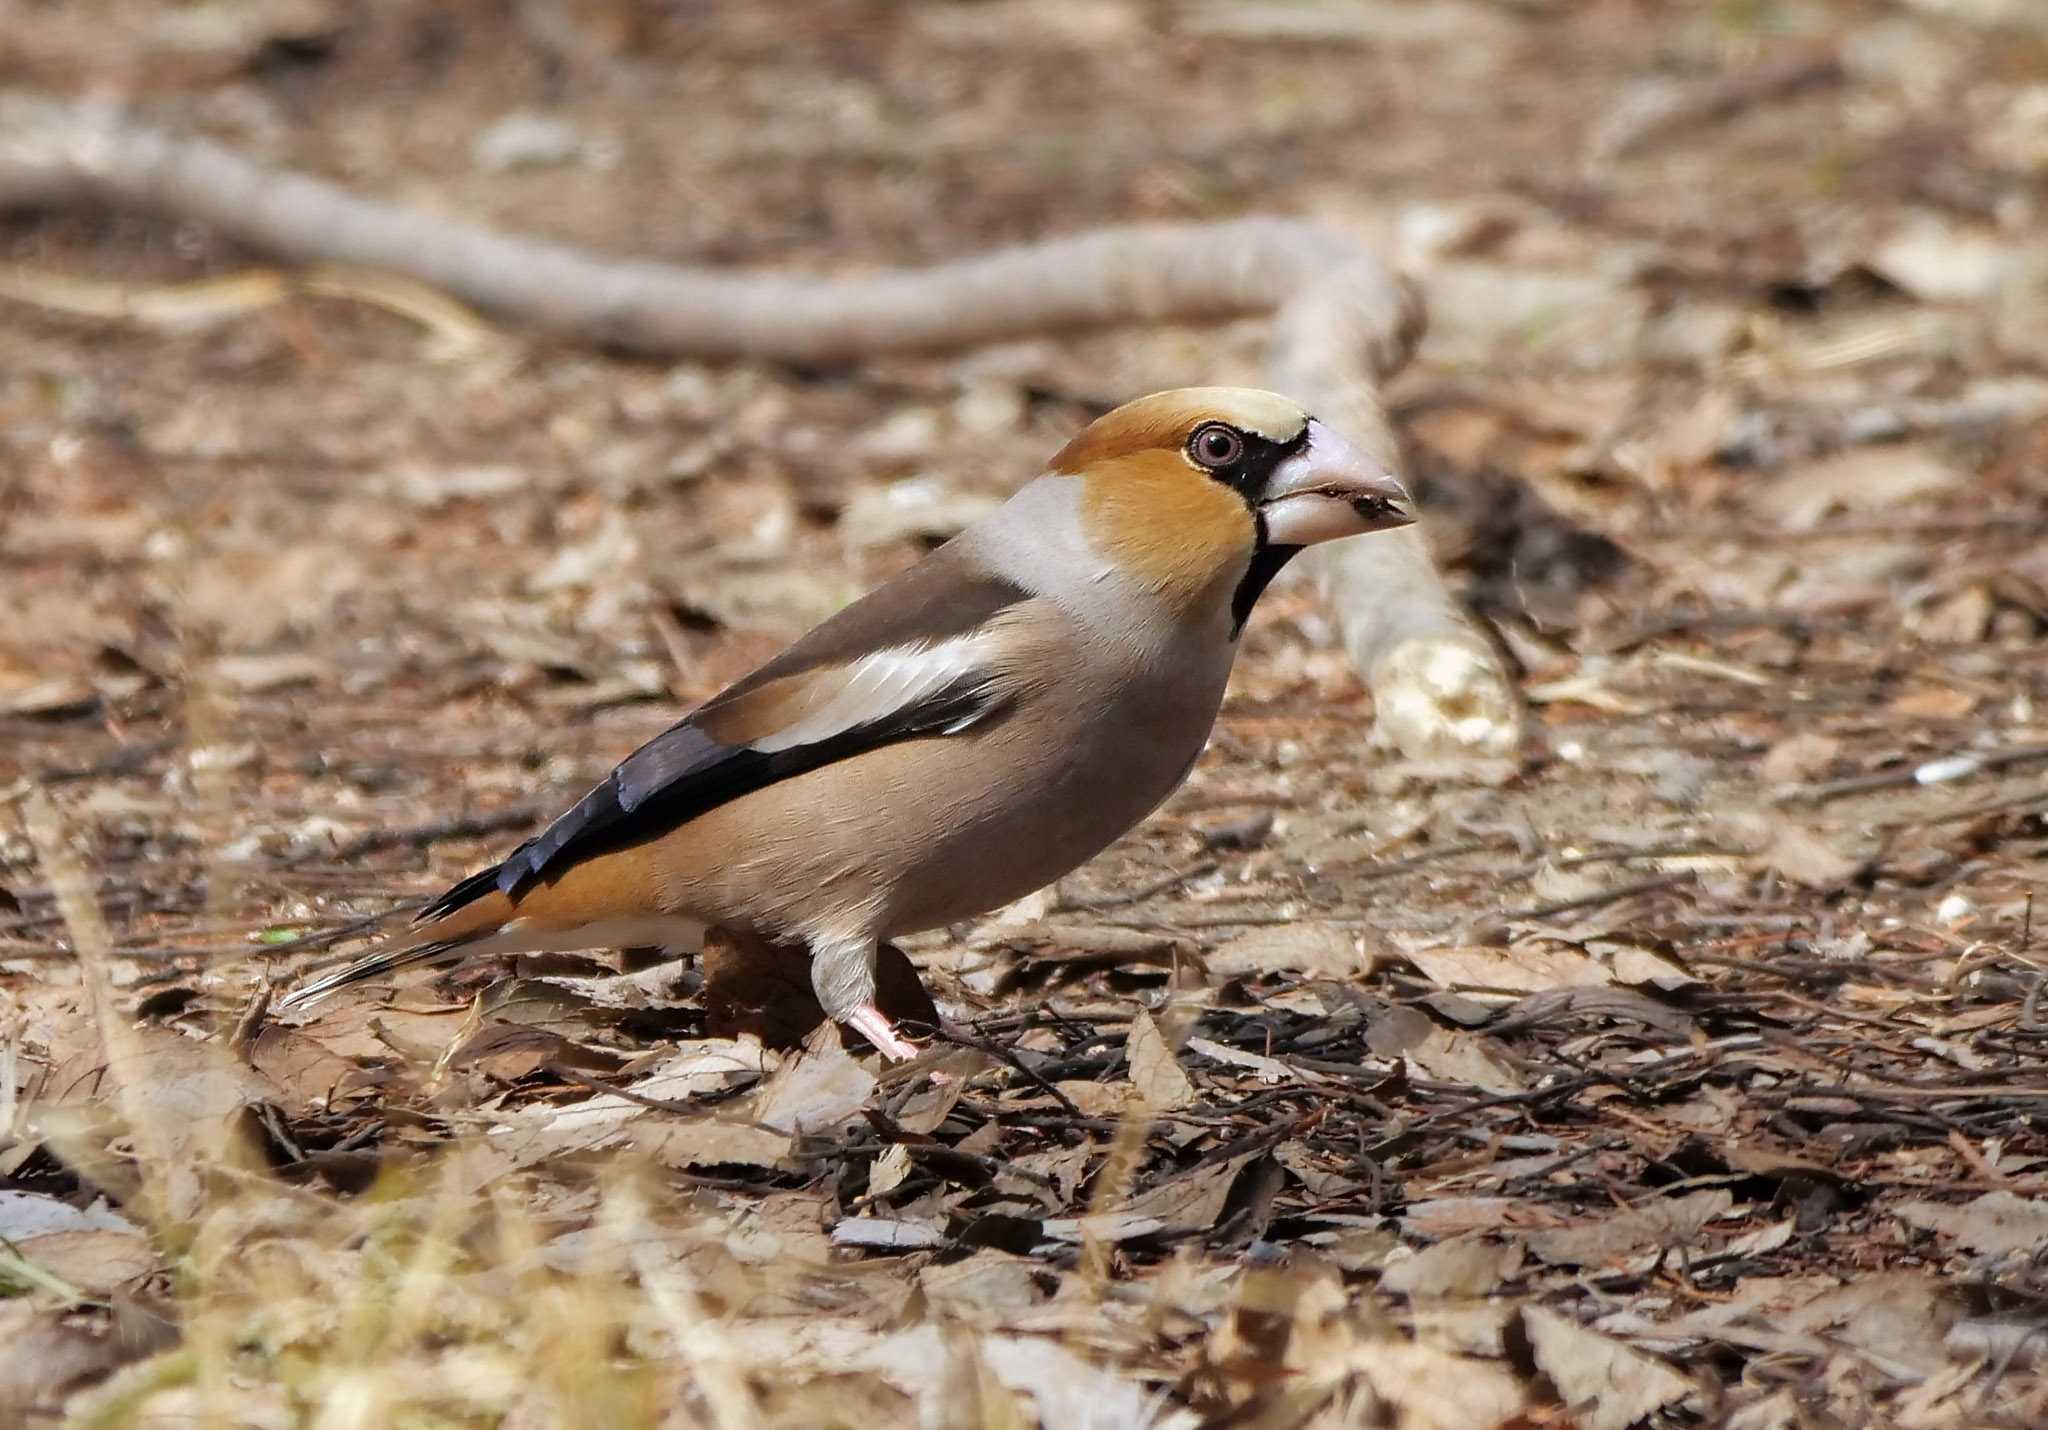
column 1343, row 323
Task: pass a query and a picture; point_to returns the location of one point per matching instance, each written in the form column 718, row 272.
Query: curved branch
column 1121, row 275
column 1343, row 323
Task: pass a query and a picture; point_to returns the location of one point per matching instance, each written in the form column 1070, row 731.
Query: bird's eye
column 1216, row 446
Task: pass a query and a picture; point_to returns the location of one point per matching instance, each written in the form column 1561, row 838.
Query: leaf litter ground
column 1688, row 1070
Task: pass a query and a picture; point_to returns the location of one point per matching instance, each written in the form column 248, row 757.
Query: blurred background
column 1731, row 422
column 1703, row 280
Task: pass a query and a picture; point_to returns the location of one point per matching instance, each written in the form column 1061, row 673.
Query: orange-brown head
column 1205, row 484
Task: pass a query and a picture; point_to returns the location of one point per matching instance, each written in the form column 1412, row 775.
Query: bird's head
column 1185, row 488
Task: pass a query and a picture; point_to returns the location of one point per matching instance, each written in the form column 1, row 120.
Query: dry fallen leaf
column 1613, row 1239
column 1454, row 1057
column 1995, row 1224
column 887, row 1234
column 96, row 1261
column 1810, row 859
column 1861, row 479
column 1070, row 1391
column 44, row 1359
column 1458, row 1266
column 1532, row 965
column 1604, row 1383
column 1804, row 756
column 815, row 1089
column 1898, row 1319
column 1154, row 1071
column 1316, row 950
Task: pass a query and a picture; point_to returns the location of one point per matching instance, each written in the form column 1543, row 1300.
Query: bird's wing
column 932, row 653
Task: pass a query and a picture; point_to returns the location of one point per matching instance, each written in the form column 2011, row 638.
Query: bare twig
column 1664, row 107
column 1919, row 772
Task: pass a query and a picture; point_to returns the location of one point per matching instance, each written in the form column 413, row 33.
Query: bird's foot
column 874, row 1025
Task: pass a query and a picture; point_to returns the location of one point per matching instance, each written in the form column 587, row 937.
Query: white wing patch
column 877, row 686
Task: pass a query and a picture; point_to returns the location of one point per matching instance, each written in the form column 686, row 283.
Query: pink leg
column 874, row 1025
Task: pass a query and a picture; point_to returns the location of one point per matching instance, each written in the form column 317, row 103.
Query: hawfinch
column 967, row 733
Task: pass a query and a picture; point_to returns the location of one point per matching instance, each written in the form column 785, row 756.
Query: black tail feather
column 375, row 964
column 468, row 891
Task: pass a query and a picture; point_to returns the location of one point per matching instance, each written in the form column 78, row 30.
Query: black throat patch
column 1267, row 559
column 1249, row 476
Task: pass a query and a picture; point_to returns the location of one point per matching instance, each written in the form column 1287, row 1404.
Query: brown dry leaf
column 98, row 1262
column 815, row 1090
column 1486, row 313
column 1898, row 1318
column 1582, row 406
column 1190, row 1202
column 1933, row 702
column 306, row 1072
column 1650, row 1229
column 1860, row 479
column 713, row 1142
column 1623, row 1005
column 1452, row 1057
column 1064, row 1166
column 1801, row 757
column 1811, row 860
column 1155, row 1072
column 1105, row 1227
column 182, row 1095
column 988, row 1288
column 96, row 1250
column 510, row 1052
column 1098, row 1099
column 1071, row 1391
column 913, row 507
column 1605, row 1384
column 1635, row 965
column 1959, row 619
column 1460, row 1266
column 46, row 696
column 1995, row 1224
column 1314, row 949
column 46, row 1358
column 930, row 1105
column 1530, row 966
column 178, row 1078
column 1322, row 1183
column 1289, row 1355
column 887, row 1171
column 1760, row 1156
column 365, row 1030
column 528, row 1136
column 701, row 1068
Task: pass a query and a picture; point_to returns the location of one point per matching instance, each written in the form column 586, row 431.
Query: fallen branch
column 1661, row 108
column 1342, row 324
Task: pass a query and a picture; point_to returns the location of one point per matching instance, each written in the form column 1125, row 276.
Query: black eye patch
column 1250, row 469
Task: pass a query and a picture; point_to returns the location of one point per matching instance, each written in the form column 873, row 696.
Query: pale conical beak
column 1331, row 489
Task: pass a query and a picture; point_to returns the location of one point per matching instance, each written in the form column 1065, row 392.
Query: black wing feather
column 684, row 771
